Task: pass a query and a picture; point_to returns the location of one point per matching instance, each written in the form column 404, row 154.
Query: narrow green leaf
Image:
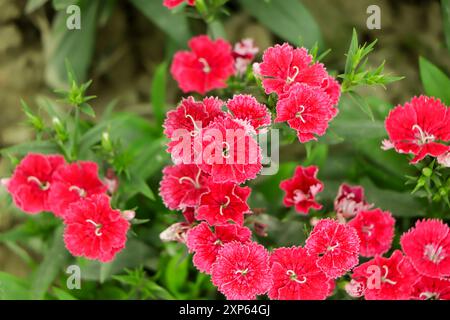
column 158, row 93
column 351, row 52
column 63, row 4
column 33, row 5
column 362, row 103
column 87, row 109
column 50, row 267
column 45, row 147
column 174, row 24
column 13, row 288
column 76, row 46
column 62, row 295
column 289, row 19
column 435, row 82
column 446, row 18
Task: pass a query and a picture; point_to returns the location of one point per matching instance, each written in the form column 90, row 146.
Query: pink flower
column 335, row 245
column 182, row 186
column 247, row 108
column 428, row 246
column 418, row 126
column 431, row 289
column 94, row 230
column 386, row 278
column 296, row 276
column 283, row 66
column 206, row 243
column 224, row 202
column 241, row 271
column 244, row 52
column 444, row 159
column 307, row 110
column 174, row 3
column 355, row 289
column 350, row 201
column 302, row 189
column 31, row 181
column 175, row 232
column 73, row 182
column 375, row 229
column 230, row 153
column 206, row 67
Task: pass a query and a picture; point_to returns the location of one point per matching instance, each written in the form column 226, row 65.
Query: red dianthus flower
column 296, row 276
column 419, row 126
column 301, row 189
column 224, row 202
column 428, row 246
column 94, row 230
column 31, row 181
column 375, row 230
column 206, row 243
column 73, row 182
column 335, row 245
column 241, row 271
column 206, row 67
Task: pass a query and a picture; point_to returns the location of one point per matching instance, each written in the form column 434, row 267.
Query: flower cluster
column 74, row 193
column 307, row 94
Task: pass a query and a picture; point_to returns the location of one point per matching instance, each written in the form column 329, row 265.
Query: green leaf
column 45, row 147
column 176, row 272
column 33, row 5
column 158, row 94
column 351, row 52
column 63, row 4
column 77, row 46
column 446, row 18
column 401, row 204
column 288, row 19
column 13, row 288
column 355, row 130
column 51, row 266
column 174, row 24
column 87, row 109
column 435, row 82
column 62, row 295
column 135, row 254
column 362, row 103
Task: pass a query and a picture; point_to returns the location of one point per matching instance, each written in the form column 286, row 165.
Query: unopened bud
column 106, row 142
column 427, row 172
column 5, row 182
column 128, row 215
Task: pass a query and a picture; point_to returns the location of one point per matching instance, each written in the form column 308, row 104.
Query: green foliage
column 446, row 18
column 357, row 72
column 289, row 19
column 63, row 44
column 174, row 24
column 435, row 82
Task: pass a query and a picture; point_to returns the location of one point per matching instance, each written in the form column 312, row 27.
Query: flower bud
column 4, row 182
column 128, row 215
column 427, row 172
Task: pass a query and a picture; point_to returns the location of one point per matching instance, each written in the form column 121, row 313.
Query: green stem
column 75, row 134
